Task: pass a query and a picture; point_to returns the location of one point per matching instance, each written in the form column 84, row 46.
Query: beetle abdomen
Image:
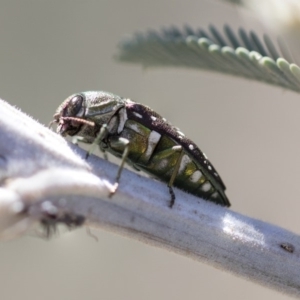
column 155, row 151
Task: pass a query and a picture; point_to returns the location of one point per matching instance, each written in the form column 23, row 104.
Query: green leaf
column 240, row 54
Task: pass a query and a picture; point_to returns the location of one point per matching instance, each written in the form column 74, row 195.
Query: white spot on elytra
column 209, row 168
column 206, row 187
column 191, row 147
column 184, row 161
column 216, row 174
column 138, row 115
column 153, row 139
column 180, row 137
column 164, row 119
column 180, row 133
column 195, row 176
column 204, row 161
column 153, row 118
column 177, row 148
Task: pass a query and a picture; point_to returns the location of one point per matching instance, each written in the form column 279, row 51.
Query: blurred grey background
column 250, row 131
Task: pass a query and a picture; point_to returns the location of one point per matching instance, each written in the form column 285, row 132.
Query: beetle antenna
column 79, row 120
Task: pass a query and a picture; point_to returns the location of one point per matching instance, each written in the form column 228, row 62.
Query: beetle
column 142, row 138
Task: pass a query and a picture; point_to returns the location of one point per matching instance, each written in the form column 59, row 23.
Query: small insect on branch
column 142, row 138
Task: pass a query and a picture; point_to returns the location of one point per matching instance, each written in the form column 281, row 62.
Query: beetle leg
column 174, row 174
column 120, row 143
column 104, row 153
column 101, row 135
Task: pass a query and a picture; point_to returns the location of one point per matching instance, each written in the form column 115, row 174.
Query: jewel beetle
column 142, row 138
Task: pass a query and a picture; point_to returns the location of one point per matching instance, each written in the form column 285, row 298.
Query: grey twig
column 45, row 179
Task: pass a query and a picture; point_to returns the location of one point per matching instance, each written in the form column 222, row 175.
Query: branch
column 242, row 54
column 45, row 180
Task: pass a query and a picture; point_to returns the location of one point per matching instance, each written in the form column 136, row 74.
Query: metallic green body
column 161, row 163
column 144, row 139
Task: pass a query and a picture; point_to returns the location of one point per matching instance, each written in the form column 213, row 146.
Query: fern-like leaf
column 241, row 54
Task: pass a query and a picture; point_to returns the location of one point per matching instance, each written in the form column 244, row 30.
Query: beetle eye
column 74, row 106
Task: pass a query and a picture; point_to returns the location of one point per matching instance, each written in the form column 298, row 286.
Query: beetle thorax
column 112, row 113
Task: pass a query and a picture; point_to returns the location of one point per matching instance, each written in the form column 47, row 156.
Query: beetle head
column 70, row 115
